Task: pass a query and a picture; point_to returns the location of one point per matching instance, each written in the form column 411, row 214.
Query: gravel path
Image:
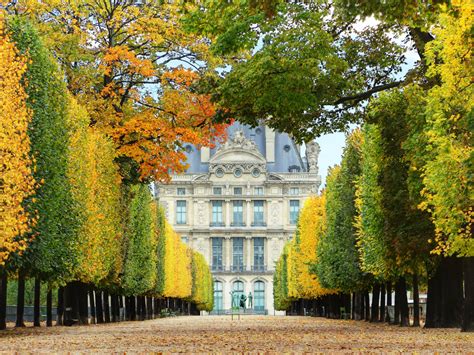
column 250, row 334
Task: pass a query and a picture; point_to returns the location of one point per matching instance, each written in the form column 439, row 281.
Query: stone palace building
column 238, row 204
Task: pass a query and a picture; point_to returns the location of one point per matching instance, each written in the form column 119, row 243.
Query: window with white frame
column 294, row 211
column 238, row 213
column 258, row 191
column 258, row 214
column 217, row 218
column 180, row 212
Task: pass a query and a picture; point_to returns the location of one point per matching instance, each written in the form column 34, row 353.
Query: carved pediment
column 238, row 149
column 202, row 177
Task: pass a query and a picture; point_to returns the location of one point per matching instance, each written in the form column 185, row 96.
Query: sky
column 331, row 152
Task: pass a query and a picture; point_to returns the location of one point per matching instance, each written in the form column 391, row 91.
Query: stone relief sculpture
column 275, row 250
column 312, row 155
column 275, row 214
column 201, row 213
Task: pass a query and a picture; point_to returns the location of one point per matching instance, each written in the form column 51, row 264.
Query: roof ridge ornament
column 312, row 155
column 239, row 141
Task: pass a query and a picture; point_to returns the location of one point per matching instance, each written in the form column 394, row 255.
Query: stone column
column 249, row 215
column 247, row 251
column 227, row 213
column 227, row 252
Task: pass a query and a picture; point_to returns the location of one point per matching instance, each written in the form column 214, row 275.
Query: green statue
column 242, row 301
column 235, row 299
column 250, row 300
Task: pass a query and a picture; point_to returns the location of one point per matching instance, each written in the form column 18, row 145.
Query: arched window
column 238, row 288
column 218, row 301
column 259, row 295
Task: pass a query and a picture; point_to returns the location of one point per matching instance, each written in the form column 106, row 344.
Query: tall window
column 258, row 254
column 238, row 254
column 238, row 213
column 218, row 297
column 238, row 288
column 217, row 219
column 258, row 219
column 259, row 295
column 294, row 211
column 217, row 254
column 180, row 212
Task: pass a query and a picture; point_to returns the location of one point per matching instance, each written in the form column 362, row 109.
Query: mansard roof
column 286, row 153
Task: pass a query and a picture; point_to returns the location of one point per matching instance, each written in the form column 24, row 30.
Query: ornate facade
column 238, row 204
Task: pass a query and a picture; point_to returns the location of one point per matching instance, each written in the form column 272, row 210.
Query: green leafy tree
column 338, row 264
column 302, row 69
column 53, row 253
column 280, row 282
column 371, row 241
column 139, row 274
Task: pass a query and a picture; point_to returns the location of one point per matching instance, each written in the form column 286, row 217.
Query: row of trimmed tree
column 396, row 214
column 68, row 219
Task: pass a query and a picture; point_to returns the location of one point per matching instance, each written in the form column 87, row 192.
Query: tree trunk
column 382, row 303
column 396, row 319
column 389, row 301
column 404, row 310
column 106, row 307
column 82, row 289
column 149, row 304
column 143, row 308
column 3, row 300
column 445, row 295
column 117, row 308
column 156, row 307
column 468, row 306
column 374, row 316
column 49, row 308
column 60, row 309
column 36, row 305
column 20, row 301
column 359, row 306
column 71, row 304
column 367, row 306
column 92, row 304
column 121, row 306
column 416, row 301
column 139, row 308
column 133, row 308
column 99, row 307
column 353, row 300
column 114, row 308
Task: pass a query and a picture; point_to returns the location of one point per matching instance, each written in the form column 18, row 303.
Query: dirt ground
column 250, row 334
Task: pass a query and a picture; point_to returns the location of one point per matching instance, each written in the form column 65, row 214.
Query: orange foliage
column 154, row 138
column 16, row 180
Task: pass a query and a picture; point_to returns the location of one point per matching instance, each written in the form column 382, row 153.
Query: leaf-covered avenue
column 99, row 98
